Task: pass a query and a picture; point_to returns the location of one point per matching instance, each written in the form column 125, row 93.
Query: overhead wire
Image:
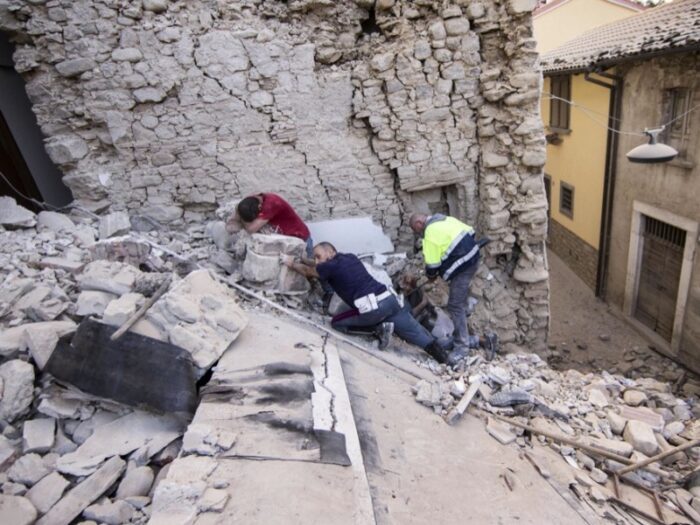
column 590, row 114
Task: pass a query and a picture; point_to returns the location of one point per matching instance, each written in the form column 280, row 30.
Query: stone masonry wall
column 170, row 108
column 578, row 255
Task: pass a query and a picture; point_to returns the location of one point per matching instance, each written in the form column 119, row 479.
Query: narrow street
column 587, row 335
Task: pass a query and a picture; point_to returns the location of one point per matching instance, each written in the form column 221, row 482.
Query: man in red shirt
column 257, row 211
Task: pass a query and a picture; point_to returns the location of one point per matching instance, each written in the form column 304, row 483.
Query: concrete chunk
column 641, row 437
column 18, row 388
column 38, row 434
column 70, row 507
column 119, row 310
column 14, row 215
column 91, row 302
column 16, row 510
column 54, row 221
column 47, row 492
column 500, row 431
column 611, row 445
column 112, row 513
column 114, row 224
column 113, row 277
column 136, row 482
column 646, row 415
column 41, row 338
column 28, row 469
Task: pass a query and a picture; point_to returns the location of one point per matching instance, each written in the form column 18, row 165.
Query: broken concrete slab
column 11, row 340
column 138, row 430
column 12, row 215
column 643, row 414
column 200, row 315
column 73, row 503
column 620, row 448
column 38, row 435
column 41, row 339
column 92, row 302
column 113, row 277
column 16, row 510
column 17, row 379
column 122, row 370
column 114, row 224
column 125, row 249
column 62, row 263
column 356, row 235
column 47, row 492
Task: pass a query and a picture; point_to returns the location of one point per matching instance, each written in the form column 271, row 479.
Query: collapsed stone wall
column 168, row 109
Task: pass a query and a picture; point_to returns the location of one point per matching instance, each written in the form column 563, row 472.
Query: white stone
column 620, row 448
column 617, row 423
column 16, row 510
column 28, row 469
column 74, row 67
column 113, row 277
column 383, row 61
column 457, row 26
column 41, row 339
column 114, row 513
column 11, row 340
column 157, row 6
column 54, row 221
column 119, row 310
column 641, row 437
column 114, row 224
column 12, row 214
column 492, row 160
column 47, row 492
column 38, row 434
column 128, row 54
column 521, row 6
column 18, row 388
column 634, row 398
column 136, row 482
column 120, row 437
column 149, row 94
column 66, row 149
column 673, row 428
column 91, row 302
column 213, row 500
column 597, row 398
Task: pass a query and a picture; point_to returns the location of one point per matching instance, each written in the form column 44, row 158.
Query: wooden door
column 660, row 271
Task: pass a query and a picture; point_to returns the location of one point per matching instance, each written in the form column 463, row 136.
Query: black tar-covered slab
column 135, row 370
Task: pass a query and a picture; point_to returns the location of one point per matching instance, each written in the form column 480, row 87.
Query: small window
column 548, row 192
column 566, row 200
column 677, row 103
column 559, row 110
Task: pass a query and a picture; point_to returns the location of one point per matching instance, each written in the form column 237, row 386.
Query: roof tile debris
column 674, row 26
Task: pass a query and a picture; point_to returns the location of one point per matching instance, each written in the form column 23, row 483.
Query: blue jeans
column 457, row 306
column 389, row 311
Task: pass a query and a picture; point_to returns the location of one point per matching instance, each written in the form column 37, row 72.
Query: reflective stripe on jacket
column 448, row 246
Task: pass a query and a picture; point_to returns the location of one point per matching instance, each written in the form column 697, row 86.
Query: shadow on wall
column 23, row 159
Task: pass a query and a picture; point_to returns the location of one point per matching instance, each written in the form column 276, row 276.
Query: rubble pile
column 632, row 418
column 63, row 452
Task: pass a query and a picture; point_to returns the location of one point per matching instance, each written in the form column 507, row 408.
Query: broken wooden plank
column 658, row 457
column 73, row 503
column 461, row 407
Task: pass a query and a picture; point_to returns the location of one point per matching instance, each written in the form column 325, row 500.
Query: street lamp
column 653, row 152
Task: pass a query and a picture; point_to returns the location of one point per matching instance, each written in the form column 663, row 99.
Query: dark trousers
column 457, row 306
column 405, row 325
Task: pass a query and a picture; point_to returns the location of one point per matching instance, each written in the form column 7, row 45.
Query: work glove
column 286, row 260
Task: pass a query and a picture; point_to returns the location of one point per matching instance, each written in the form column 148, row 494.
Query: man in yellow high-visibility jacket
column 451, row 251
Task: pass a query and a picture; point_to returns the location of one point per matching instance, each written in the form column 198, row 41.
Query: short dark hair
column 327, row 246
column 249, row 209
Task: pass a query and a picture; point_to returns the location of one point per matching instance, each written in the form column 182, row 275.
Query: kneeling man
column 377, row 309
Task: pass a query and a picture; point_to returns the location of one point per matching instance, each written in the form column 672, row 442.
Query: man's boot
column 384, row 332
column 437, row 352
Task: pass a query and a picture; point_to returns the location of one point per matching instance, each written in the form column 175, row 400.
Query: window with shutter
column 566, row 200
column 559, row 108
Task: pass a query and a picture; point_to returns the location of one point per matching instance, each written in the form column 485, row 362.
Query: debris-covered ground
column 73, row 446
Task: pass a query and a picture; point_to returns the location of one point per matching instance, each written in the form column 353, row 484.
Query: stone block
column 493, row 160
column 28, row 470
column 47, row 492
column 13, row 215
column 262, row 269
column 114, row 224
column 113, row 277
column 500, row 431
column 17, row 378
column 155, row 6
column 641, row 437
column 136, row 482
column 16, row 510
column 111, row 513
column 75, row 66
column 54, row 221
column 646, row 415
column 620, row 448
column 617, row 423
column 91, row 302
column 634, row 398
column 118, row 311
column 519, row 7
column 66, row 149
column 38, row 435
column 457, row 26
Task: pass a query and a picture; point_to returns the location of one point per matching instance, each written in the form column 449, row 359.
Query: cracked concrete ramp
column 273, row 439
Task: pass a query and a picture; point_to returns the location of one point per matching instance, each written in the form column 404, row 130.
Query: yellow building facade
column 576, row 134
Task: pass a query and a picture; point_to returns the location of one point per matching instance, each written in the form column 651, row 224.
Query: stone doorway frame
column 634, row 262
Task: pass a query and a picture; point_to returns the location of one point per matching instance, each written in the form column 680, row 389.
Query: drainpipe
column 614, row 112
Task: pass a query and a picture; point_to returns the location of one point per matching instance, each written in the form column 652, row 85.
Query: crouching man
column 451, row 251
column 376, row 309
